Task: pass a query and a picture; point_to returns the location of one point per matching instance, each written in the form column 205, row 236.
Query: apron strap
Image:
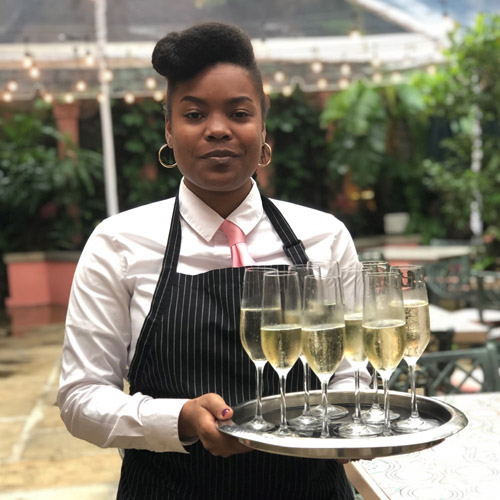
column 293, row 247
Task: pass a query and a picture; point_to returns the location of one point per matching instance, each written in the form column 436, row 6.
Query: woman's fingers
column 199, row 418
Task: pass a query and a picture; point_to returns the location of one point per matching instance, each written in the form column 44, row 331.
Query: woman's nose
column 217, row 127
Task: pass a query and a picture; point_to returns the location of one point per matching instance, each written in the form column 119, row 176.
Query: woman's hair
column 182, row 55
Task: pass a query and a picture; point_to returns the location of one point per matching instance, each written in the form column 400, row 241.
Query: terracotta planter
column 39, row 278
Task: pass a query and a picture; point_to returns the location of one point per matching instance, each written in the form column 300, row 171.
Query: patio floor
column 39, row 459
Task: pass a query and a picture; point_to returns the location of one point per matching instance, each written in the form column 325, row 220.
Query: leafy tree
column 467, row 95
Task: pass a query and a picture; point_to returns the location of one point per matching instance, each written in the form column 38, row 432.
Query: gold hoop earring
column 166, row 165
column 269, row 152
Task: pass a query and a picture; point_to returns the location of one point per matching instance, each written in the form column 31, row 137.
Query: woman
column 155, row 298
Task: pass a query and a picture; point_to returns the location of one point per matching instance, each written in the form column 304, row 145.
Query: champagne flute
column 281, row 330
column 375, row 415
column 384, row 328
column 328, row 268
column 306, row 421
column 323, row 332
column 418, row 334
column 352, row 283
column 251, row 313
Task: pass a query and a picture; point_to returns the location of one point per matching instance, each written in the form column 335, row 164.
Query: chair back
column 487, row 291
column 449, row 279
column 459, row 371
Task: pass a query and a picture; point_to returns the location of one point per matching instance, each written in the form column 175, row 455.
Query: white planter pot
column 396, row 223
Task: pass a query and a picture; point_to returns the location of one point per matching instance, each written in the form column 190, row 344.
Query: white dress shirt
column 112, row 292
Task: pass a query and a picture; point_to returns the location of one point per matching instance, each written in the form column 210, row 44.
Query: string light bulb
column 129, row 97
column 69, row 98
column 322, row 84
column 100, row 97
column 12, row 86
column 150, row 83
column 396, row 77
column 279, row 76
column 376, row 61
column 377, row 77
column 48, row 98
column 345, row 69
column 34, row 72
column 268, row 88
column 81, row 86
column 158, row 95
column 355, row 34
column 7, row 96
column 287, row 90
column 107, row 75
column 344, row 83
column 317, row 67
column 28, row 60
column 89, row 59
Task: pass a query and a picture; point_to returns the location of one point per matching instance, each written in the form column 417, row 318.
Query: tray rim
column 347, row 448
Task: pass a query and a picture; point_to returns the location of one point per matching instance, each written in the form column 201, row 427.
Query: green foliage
column 380, row 141
column 46, row 202
column 139, row 133
column 299, row 161
column 468, row 88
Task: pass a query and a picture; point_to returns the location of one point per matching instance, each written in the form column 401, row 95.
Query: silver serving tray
column 451, row 421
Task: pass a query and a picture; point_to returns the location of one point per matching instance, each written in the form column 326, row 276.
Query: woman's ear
column 168, row 133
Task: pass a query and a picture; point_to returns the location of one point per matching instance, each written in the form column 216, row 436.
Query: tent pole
column 105, row 111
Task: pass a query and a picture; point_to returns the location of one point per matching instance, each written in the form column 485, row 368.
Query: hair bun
column 181, row 55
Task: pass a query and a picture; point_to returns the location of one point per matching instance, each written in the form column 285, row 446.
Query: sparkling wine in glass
column 418, row 334
column 323, row 332
column 250, row 320
column 352, row 283
column 281, row 330
column 325, row 268
column 306, row 421
column 375, row 415
column 384, row 327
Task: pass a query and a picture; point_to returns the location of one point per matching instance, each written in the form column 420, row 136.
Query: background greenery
column 409, row 144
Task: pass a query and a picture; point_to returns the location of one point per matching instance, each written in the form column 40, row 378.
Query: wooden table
column 466, row 466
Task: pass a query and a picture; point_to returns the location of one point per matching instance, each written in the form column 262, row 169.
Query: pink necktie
column 239, row 249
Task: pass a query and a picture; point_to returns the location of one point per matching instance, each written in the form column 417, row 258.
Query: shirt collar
column 205, row 221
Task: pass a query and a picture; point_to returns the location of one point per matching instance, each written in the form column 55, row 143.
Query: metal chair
column 487, row 293
column 449, row 279
column 453, row 372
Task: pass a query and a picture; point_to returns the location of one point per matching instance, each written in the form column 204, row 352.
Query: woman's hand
column 198, row 419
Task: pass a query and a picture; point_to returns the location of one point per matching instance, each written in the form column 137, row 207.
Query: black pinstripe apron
column 190, row 345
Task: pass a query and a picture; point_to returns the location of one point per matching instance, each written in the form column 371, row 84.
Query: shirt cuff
column 161, row 418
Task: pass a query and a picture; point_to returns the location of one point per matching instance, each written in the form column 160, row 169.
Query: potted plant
column 48, row 207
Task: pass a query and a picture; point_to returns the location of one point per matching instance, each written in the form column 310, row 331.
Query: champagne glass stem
column 375, row 390
column 387, row 420
column 414, row 408
column 357, row 398
column 307, row 384
column 258, row 411
column 324, row 400
column 283, row 423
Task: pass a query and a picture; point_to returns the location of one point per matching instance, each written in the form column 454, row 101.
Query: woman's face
column 216, row 130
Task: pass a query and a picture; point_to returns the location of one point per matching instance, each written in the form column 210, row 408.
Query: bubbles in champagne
column 418, row 330
column 354, row 348
column 385, row 343
column 250, row 333
column 323, row 347
column 281, row 345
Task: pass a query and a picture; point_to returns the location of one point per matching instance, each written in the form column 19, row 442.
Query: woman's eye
column 193, row 115
column 241, row 114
